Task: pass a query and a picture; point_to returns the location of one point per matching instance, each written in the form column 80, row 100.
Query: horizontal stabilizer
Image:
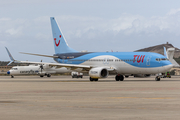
column 40, row 55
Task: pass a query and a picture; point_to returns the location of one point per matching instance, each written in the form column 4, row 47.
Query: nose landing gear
column 157, row 78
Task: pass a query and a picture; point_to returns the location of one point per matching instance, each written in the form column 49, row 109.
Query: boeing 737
column 101, row 64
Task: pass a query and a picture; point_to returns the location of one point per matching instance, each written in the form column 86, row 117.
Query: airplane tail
column 60, row 43
column 12, row 59
column 10, row 56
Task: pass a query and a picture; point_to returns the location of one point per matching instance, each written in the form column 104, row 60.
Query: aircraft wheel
column 48, row 75
column 91, row 79
column 41, row 75
column 117, row 78
column 157, row 78
column 95, row 79
column 12, row 76
column 121, row 77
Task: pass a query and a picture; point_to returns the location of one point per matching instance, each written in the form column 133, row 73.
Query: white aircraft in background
column 34, row 69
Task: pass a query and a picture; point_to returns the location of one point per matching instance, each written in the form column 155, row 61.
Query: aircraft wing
column 70, row 66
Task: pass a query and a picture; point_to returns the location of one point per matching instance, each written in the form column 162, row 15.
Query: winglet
column 165, row 53
column 170, row 55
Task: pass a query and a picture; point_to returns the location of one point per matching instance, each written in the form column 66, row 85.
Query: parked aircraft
column 36, row 69
column 39, row 69
column 101, row 64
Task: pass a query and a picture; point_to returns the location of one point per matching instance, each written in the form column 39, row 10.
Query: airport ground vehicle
column 167, row 75
column 76, row 75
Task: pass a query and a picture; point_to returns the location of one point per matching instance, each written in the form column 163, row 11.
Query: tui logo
column 57, row 44
column 139, row 58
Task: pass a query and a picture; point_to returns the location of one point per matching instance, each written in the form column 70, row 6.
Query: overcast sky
column 93, row 25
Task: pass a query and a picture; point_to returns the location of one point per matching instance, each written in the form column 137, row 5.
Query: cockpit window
column 164, row 59
column 161, row 59
column 157, row 59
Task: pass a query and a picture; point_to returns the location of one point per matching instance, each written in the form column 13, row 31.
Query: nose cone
column 167, row 65
column 8, row 72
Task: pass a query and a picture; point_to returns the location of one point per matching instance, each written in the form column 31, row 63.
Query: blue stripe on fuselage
column 142, row 59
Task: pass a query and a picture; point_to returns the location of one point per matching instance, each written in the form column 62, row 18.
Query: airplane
column 33, row 69
column 101, row 64
column 36, row 69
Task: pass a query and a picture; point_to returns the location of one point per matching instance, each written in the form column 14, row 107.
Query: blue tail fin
column 60, row 44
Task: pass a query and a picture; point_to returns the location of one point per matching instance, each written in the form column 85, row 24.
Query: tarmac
column 65, row 98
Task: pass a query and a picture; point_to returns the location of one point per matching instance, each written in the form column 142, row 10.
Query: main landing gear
column 48, row 75
column 119, row 77
column 93, row 79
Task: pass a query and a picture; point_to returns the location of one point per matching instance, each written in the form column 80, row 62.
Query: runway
column 61, row 97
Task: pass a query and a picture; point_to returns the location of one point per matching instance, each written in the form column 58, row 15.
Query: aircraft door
column 148, row 60
column 106, row 61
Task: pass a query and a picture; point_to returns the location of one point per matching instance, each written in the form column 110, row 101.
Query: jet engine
column 98, row 72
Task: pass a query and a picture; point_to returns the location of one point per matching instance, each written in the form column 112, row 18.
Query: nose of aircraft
column 8, row 72
column 167, row 65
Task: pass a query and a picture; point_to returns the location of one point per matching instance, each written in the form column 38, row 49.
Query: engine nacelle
column 98, row 72
column 46, row 66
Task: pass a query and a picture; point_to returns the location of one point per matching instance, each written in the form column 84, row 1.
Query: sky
column 92, row 25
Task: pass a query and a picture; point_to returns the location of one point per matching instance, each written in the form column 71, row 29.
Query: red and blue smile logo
column 57, row 44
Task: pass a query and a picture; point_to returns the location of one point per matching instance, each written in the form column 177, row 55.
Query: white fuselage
column 35, row 69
